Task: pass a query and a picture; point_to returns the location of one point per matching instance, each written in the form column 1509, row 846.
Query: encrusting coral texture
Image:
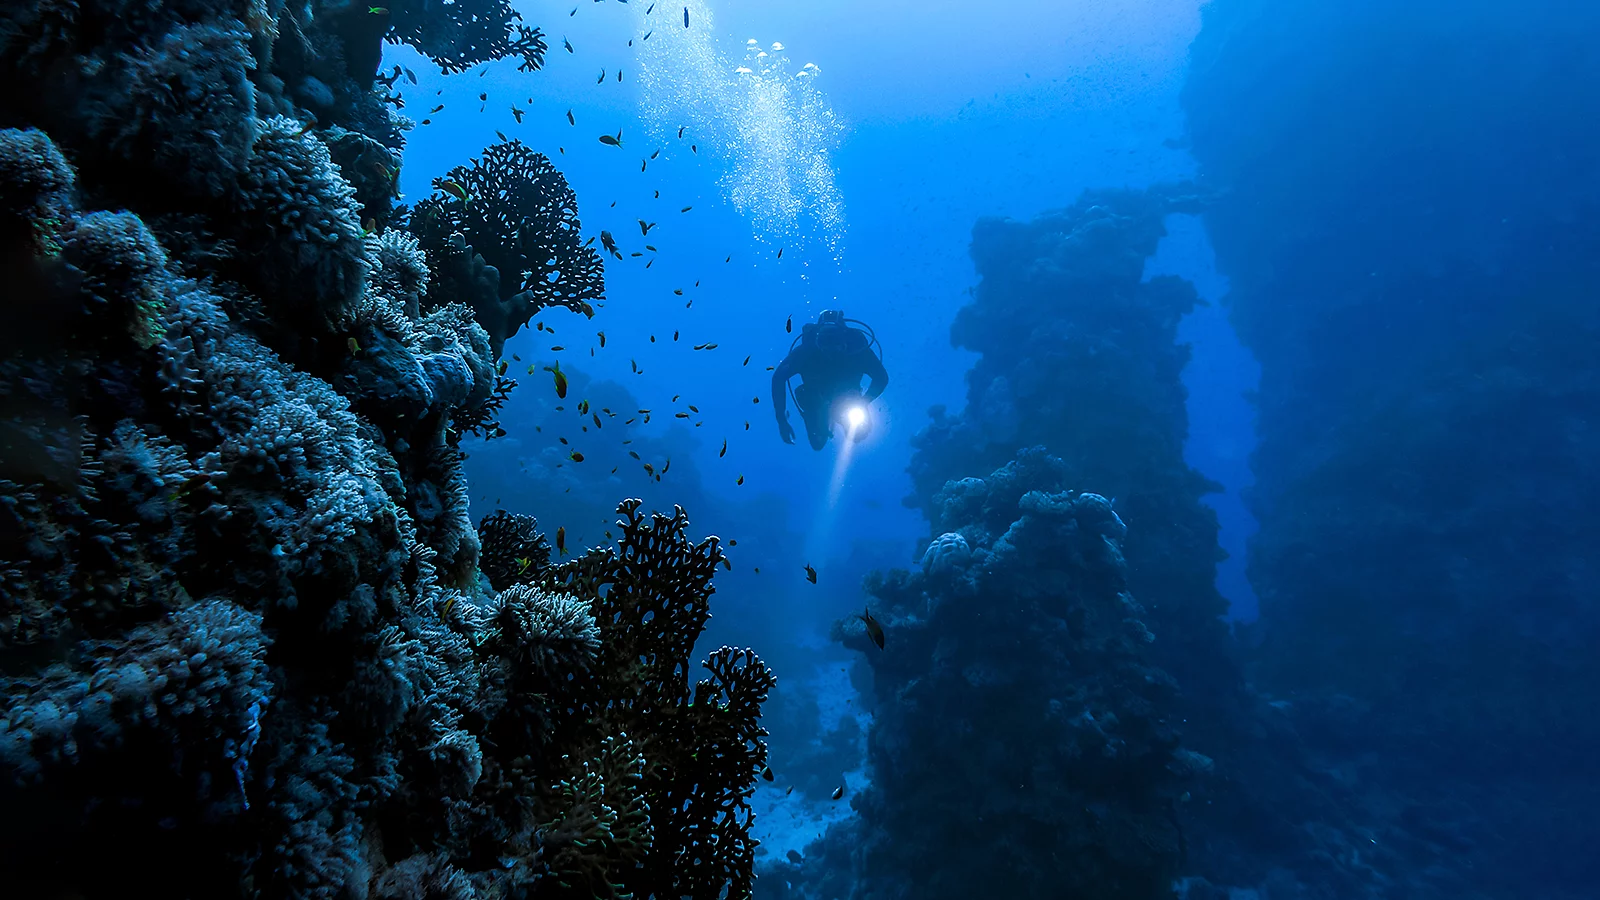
column 251, row 643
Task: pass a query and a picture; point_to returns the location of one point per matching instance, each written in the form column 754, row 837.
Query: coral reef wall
column 1408, row 220
column 250, row 642
column 1080, row 355
column 1017, row 713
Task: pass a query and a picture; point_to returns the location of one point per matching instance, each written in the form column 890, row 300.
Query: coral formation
column 1036, row 635
column 246, row 647
column 513, row 242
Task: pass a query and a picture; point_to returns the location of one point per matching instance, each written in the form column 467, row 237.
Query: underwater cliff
column 1409, row 225
column 251, row 643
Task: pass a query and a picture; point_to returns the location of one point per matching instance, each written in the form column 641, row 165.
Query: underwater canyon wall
column 1407, row 210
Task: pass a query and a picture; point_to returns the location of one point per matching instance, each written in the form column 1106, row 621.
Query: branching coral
column 459, row 36
column 703, row 745
column 522, row 219
column 513, row 550
column 602, row 828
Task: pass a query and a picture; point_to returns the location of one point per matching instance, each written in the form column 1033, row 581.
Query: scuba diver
column 830, row 356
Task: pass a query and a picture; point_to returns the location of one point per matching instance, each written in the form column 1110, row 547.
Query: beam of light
column 821, row 533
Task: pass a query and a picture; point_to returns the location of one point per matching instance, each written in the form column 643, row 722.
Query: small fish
column 575, row 456
column 568, row 45
column 596, row 417
column 449, row 605
column 729, row 566
column 679, row 292
column 681, row 130
column 561, row 380
column 874, row 630
column 557, row 348
column 410, row 75
column 602, row 78
column 501, row 134
column 484, row 95
column 650, row 470
column 436, row 109
column 602, row 336
column 454, row 190
column 354, row 345
column 766, row 773
column 811, row 574
column 523, row 563
column 619, row 75
column 570, row 119
column 633, row 453
column 780, row 253
column 650, row 247
column 694, row 148
column 647, row 35
column 377, row 11
column 610, row 141
column 838, row 792
column 306, row 128
column 790, row 790
column 685, row 209
column 504, row 365
column 649, row 9
column 655, row 154
column 724, row 451
column 746, row 361
column 516, row 114
column 610, row 243
column 583, row 407
column 740, row 480
column 788, row 327
column 686, row 17
column 561, row 540
column 682, row 415
column 644, row 227
column 642, row 164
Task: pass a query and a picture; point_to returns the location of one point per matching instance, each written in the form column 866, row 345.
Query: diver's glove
column 785, row 431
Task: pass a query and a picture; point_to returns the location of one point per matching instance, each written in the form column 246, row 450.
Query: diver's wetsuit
column 830, row 360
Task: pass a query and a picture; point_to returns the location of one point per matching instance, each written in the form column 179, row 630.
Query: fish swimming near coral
column 561, row 540
column 874, row 629
column 560, row 379
column 454, row 190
